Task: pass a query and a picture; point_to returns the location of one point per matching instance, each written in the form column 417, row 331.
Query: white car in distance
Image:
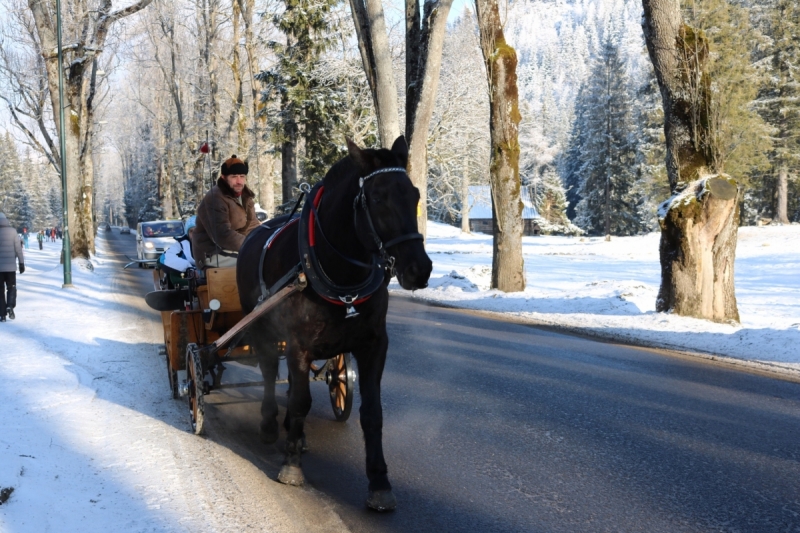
column 152, row 238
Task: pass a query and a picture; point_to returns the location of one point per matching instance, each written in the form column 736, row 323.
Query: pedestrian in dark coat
column 10, row 253
column 224, row 218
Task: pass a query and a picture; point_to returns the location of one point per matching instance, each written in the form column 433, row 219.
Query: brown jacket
column 222, row 224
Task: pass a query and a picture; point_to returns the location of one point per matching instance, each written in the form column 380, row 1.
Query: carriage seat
column 221, row 286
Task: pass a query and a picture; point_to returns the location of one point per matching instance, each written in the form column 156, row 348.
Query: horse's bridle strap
column 361, row 200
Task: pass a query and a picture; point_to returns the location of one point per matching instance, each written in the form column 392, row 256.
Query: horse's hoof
column 291, row 475
column 381, row 500
column 268, row 435
column 303, row 444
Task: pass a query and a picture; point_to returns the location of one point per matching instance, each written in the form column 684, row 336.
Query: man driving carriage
column 225, row 217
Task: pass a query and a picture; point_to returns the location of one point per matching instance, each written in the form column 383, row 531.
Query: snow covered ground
column 608, row 289
column 90, row 440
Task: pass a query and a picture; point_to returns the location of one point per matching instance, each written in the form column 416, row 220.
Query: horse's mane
column 346, row 168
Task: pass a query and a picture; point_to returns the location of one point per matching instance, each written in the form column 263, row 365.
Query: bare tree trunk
column 698, row 245
column 374, row 46
column 237, row 118
column 699, row 223
column 782, row 196
column 464, row 201
column 79, row 79
column 288, row 157
column 508, row 273
column 263, row 164
column 424, row 45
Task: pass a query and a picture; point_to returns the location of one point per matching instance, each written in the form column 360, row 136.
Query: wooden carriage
column 195, row 335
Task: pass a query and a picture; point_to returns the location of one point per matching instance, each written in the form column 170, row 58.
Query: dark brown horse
column 358, row 229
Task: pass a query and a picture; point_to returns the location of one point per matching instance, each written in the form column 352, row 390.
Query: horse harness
column 310, row 228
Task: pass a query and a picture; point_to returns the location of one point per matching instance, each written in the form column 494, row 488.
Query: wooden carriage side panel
column 185, row 327
column 222, row 287
column 165, row 323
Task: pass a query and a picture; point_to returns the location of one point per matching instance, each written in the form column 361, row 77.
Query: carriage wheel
column 341, row 377
column 196, row 386
column 172, row 375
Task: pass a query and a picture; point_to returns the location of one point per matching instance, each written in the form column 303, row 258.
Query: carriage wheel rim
column 341, row 386
column 195, row 397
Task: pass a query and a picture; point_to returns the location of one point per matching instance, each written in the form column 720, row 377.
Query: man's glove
column 21, row 268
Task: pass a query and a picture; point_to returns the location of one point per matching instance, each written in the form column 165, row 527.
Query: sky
column 91, row 441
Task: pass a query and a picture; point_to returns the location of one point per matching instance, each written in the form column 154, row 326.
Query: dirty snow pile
column 589, row 285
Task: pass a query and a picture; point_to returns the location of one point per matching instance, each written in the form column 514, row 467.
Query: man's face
column 236, row 182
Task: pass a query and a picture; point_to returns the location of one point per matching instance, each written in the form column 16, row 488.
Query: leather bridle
column 360, row 201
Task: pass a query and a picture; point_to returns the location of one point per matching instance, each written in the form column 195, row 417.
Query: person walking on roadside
column 25, row 237
column 40, row 238
column 10, row 253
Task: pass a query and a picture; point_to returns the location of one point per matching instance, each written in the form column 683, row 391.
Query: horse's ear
column 357, row 154
column 400, row 149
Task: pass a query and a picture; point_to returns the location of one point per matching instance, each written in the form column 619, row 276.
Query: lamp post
column 66, row 248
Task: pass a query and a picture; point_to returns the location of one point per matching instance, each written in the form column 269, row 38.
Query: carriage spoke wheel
column 341, row 377
column 196, row 385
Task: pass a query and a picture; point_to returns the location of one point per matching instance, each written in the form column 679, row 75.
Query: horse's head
column 386, row 211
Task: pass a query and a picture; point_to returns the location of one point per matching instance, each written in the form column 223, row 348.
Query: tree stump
column 699, row 228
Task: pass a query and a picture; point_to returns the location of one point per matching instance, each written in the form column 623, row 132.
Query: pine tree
column 741, row 136
column 652, row 185
column 572, row 161
column 779, row 104
column 608, row 152
column 15, row 205
column 305, row 99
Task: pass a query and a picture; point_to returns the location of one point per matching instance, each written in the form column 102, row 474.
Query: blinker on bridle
column 361, row 201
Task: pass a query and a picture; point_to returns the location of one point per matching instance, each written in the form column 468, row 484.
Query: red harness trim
column 281, row 230
column 312, row 242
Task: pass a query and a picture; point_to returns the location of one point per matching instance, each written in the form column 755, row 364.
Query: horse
column 358, row 228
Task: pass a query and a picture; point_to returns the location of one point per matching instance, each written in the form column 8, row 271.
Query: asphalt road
column 495, row 426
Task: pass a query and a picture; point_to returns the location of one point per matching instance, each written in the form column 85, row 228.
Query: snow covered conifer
column 607, row 153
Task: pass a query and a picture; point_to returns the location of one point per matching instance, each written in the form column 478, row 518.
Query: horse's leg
column 299, row 404
column 268, row 359
column 370, row 361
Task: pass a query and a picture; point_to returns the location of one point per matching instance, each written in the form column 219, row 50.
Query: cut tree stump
column 699, row 227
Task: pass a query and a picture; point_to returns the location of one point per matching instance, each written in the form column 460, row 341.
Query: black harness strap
column 262, row 284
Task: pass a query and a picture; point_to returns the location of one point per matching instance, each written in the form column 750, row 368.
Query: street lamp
column 66, row 249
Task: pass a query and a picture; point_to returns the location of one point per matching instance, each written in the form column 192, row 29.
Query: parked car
column 125, row 230
column 152, row 238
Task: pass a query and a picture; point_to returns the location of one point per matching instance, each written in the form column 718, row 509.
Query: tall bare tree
column 508, row 272
column 87, row 25
column 373, row 44
column 699, row 223
column 425, row 30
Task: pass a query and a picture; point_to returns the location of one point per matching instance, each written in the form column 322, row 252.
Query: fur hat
column 234, row 165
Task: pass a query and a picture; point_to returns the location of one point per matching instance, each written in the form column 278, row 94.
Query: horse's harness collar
column 381, row 261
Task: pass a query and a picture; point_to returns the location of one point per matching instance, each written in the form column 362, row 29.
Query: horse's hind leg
column 299, row 404
column 268, row 359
